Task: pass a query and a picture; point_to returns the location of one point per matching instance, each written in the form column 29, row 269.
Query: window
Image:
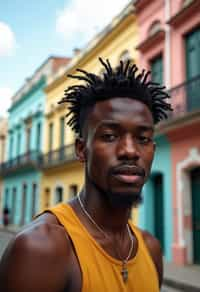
column 62, row 131
column 38, row 137
column 2, row 147
column 62, row 138
column 24, row 201
column 192, row 45
column 187, row 2
column 125, row 56
column 101, row 72
column 11, row 147
column 50, row 137
column 6, row 199
column 28, row 139
column 155, row 27
column 59, row 194
column 73, row 189
column 193, row 54
column 34, row 200
column 18, row 143
column 13, row 207
column 157, row 70
column 47, row 198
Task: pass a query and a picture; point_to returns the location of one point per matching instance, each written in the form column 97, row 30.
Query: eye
column 145, row 140
column 109, row 137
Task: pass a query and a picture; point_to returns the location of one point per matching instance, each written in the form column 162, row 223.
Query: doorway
column 24, row 200
column 195, row 187
column 159, row 209
column 59, row 194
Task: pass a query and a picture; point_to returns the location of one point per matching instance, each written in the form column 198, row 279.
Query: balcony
column 28, row 160
column 58, row 157
column 185, row 98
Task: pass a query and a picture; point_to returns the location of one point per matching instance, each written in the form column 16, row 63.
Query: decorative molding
column 183, row 198
column 151, row 41
column 185, row 13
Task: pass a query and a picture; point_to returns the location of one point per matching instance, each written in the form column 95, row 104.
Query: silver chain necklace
column 124, row 271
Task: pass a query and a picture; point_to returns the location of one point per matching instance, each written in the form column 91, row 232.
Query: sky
column 31, row 31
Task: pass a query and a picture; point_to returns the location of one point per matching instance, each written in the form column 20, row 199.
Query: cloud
column 80, row 20
column 5, row 100
column 7, row 40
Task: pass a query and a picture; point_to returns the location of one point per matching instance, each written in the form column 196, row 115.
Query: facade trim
column 183, row 200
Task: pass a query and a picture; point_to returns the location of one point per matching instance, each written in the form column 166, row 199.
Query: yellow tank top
column 100, row 271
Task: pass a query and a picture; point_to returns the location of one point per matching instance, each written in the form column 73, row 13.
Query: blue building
column 155, row 214
column 21, row 171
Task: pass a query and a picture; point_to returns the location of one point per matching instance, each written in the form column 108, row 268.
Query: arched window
column 154, row 28
column 47, row 197
column 101, row 72
column 125, row 56
column 73, row 190
column 186, row 2
column 59, row 194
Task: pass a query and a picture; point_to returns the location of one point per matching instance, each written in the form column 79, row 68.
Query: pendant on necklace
column 124, row 272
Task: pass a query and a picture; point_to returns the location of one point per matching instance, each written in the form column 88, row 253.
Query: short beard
column 124, row 200
column 118, row 200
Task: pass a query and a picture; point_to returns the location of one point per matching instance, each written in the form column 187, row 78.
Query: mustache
column 128, row 168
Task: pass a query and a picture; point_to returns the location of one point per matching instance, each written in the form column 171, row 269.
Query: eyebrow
column 115, row 124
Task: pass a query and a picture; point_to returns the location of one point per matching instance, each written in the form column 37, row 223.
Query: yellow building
column 62, row 174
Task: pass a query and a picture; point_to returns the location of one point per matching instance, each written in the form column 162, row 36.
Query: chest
column 96, row 275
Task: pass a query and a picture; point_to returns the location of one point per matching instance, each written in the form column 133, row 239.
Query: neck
column 109, row 218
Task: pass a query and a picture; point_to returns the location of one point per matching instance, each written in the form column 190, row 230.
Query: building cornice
column 31, row 91
column 141, row 4
column 176, row 123
column 92, row 47
column 151, row 41
column 185, row 13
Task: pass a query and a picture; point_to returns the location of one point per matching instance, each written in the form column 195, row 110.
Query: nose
column 128, row 149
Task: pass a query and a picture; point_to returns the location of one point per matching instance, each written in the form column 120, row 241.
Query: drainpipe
column 167, row 46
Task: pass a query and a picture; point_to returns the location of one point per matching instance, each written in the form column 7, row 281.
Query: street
column 5, row 237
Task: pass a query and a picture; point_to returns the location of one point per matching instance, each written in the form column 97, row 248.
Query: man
column 89, row 244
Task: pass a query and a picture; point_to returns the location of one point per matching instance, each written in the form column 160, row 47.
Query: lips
column 129, row 174
column 129, row 179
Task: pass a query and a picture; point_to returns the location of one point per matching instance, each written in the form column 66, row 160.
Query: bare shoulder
column 155, row 251
column 36, row 259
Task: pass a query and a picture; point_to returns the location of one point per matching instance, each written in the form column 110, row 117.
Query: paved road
column 5, row 237
column 168, row 289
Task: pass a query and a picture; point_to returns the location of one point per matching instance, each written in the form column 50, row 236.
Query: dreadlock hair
column 119, row 82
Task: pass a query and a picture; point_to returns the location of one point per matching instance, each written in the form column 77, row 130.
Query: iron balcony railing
column 59, row 156
column 30, row 159
column 185, row 98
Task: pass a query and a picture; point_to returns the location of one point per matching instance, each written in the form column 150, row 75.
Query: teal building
column 155, row 214
column 21, row 171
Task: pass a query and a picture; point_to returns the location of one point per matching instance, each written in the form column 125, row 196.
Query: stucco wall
column 161, row 164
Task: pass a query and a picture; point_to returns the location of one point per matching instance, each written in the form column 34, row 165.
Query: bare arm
column 155, row 251
column 36, row 261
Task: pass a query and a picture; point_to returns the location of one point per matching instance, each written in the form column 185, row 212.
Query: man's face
column 119, row 148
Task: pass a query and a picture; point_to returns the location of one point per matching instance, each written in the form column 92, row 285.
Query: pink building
column 169, row 45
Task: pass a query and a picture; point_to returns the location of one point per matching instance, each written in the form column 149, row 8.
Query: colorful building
column 21, row 171
column 62, row 174
column 169, row 45
column 3, row 134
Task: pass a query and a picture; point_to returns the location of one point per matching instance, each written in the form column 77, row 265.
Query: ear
column 80, row 149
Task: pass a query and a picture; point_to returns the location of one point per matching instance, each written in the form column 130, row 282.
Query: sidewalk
column 186, row 278
column 5, row 236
